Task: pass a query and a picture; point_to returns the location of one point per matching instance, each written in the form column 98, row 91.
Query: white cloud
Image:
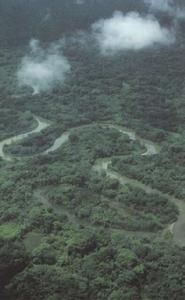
column 42, row 68
column 129, row 32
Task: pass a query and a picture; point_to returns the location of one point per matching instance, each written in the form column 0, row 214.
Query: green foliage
column 164, row 171
column 68, row 231
column 32, row 240
column 13, row 259
column 10, row 230
column 13, row 122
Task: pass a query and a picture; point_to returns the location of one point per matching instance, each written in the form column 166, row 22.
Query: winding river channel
column 41, row 124
column 177, row 229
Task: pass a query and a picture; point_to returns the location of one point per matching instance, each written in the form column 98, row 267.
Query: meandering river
column 41, row 124
column 177, row 228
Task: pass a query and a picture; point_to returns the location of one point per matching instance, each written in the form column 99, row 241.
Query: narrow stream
column 41, row 124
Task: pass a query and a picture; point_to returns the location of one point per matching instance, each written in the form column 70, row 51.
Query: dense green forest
column 101, row 214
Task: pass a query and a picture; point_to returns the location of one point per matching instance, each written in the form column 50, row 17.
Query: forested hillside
column 91, row 151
